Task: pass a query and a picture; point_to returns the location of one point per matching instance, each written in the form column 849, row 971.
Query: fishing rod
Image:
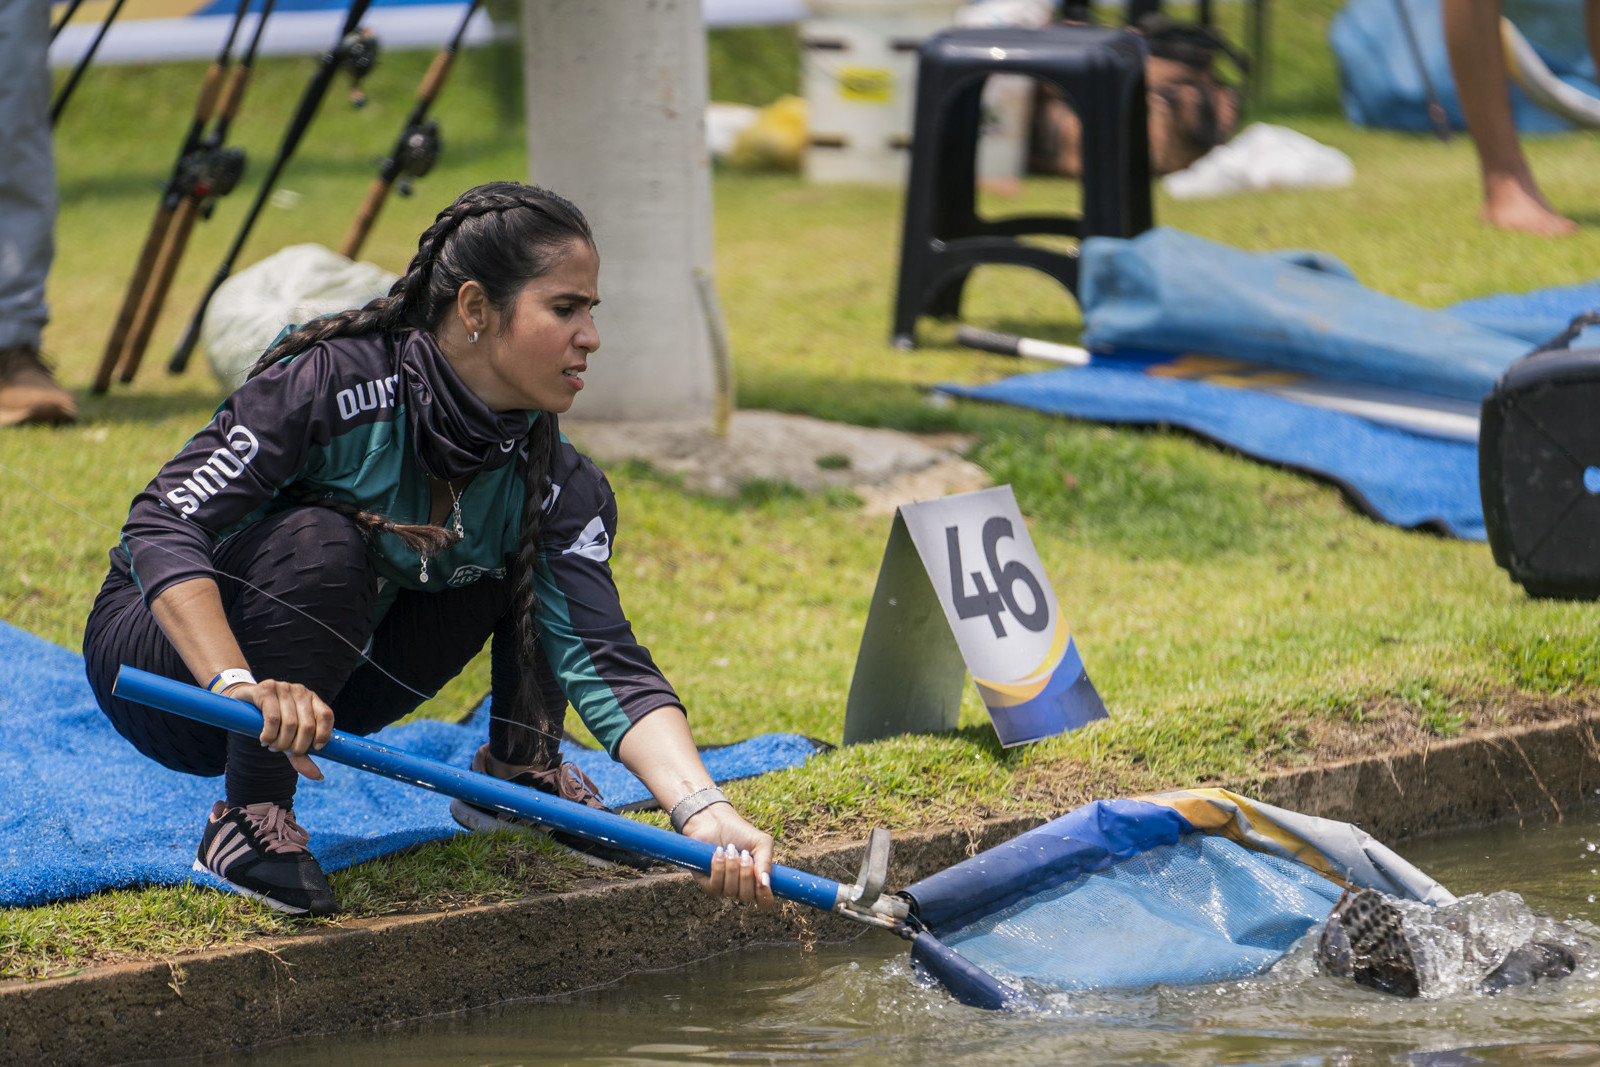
column 83, row 63
column 863, row 902
column 414, row 153
column 355, row 50
column 66, row 17
column 209, row 172
column 1436, row 112
column 171, row 197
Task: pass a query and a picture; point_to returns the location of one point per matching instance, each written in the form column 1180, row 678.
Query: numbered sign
column 961, row 590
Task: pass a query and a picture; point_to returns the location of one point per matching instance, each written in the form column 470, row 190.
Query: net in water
column 1196, row 886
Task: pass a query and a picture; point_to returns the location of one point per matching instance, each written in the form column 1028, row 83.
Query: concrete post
column 616, row 95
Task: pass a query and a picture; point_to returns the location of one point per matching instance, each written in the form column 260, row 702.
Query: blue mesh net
column 1202, row 909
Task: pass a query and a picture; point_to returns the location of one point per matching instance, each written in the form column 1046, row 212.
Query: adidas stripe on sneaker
column 260, row 852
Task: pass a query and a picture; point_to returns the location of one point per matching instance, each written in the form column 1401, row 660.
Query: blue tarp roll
column 1381, row 85
column 1175, row 292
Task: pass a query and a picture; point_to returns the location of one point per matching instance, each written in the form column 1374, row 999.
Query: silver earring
column 472, row 338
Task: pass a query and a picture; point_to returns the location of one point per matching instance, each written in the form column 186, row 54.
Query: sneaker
column 260, row 852
column 566, row 782
column 27, row 391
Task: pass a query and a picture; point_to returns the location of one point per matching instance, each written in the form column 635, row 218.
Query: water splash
column 1458, row 944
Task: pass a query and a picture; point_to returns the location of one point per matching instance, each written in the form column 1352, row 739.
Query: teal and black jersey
column 340, row 421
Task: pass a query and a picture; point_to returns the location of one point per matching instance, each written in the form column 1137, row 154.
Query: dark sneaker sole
column 478, row 819
column 259, row 898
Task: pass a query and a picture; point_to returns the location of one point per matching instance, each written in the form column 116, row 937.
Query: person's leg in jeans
column 28, row 393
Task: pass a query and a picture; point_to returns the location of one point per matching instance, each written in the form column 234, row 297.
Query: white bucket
column 859, row 73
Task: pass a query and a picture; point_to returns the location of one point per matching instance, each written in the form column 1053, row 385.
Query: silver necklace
column 455, row 524
column 455, row 510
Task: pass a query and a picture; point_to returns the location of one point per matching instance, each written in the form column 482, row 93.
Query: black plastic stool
column 1101, row 73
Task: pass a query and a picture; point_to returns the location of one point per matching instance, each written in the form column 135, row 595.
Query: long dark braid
column 502, row 236
column 533, row 747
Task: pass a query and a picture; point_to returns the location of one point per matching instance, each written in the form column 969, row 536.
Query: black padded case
column 1539, row 470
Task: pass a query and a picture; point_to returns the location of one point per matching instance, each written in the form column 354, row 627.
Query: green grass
column 1224, row 609
column 753, row 64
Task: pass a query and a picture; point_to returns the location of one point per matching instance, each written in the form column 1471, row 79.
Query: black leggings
column 279, row 579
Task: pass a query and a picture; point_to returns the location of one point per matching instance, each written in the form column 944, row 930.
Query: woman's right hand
column 294, row 720
column 741, row 867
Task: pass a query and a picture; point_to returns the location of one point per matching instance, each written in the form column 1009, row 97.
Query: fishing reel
column 358, row 54
column 419, row 150
column 208, row 173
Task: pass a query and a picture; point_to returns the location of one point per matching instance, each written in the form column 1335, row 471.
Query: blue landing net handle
column 192, row 702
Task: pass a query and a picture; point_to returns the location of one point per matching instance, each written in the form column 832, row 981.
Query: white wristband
column 231, row 677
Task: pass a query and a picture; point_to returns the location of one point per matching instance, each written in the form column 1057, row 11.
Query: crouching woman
column 388, row 491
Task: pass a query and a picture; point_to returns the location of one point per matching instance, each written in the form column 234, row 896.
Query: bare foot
column 1510, row 205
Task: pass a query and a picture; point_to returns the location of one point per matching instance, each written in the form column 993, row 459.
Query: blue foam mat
column 81, row 810
column 1398, row 477
column 1534, row 316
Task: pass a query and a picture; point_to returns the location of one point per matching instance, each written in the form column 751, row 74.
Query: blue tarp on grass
column 81, row 810
column 1535, row 316
column 1394, row 476
column 1304, row 314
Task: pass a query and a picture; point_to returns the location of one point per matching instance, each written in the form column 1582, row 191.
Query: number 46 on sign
column 961, row 590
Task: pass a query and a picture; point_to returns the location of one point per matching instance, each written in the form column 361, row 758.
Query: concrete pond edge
column 378, row 972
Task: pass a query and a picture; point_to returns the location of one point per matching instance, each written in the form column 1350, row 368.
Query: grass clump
column 1439, row 712
column 64, row 938
column 1555, row 663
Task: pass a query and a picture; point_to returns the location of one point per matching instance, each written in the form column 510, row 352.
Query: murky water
column 860, row 1004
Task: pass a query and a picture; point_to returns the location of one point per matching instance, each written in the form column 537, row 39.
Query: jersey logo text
column 220, row 468
column 368, row 396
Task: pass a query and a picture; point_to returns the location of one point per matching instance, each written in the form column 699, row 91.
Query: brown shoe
column 27, row 391
column 564, row 781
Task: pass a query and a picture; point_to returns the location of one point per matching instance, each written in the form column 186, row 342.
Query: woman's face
column 535, row 355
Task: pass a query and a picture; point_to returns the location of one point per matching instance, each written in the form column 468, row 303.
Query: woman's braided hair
column 501, row 235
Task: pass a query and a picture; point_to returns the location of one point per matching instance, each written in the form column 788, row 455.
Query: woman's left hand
column 742, row 865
